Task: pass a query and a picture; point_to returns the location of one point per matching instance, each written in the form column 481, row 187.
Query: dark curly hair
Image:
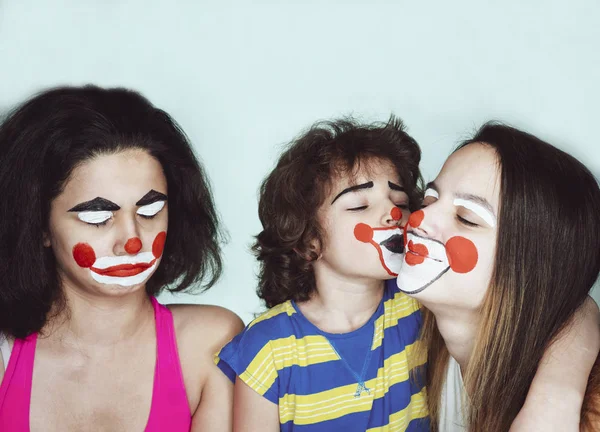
column 292, row 193
column 41, row 142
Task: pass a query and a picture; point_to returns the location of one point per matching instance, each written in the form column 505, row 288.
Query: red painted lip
column 418, row 249
column 124, row 270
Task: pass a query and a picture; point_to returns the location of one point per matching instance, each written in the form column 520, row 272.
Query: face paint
column 84, row 255
column 151, row 209
column 133, row 246
column 94, row 217
column 479, row 210
column 126, row 270
column 159, row 244
column 387, row 241
column 96, row 211
column 462, row 254
column 426, row 260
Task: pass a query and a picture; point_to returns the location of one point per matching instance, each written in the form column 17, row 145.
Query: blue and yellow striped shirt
column 289, row 361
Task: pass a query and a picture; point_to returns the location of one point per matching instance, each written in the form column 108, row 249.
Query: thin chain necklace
column 360, row 379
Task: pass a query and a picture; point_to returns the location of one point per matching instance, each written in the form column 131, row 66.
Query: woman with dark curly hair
column 339, row 348
column 105, row 206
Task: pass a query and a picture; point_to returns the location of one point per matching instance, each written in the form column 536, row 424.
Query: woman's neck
column 95, row 321
column 458, row 328
column 341, row 305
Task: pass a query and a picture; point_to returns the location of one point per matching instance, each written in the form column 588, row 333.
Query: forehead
column 474, row 169
column 122, row 177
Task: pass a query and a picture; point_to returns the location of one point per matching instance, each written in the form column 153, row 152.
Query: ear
column 312, row 253
column 315, row 249
column 46, row 239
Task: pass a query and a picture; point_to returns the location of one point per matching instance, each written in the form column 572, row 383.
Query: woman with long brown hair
column 502, row 255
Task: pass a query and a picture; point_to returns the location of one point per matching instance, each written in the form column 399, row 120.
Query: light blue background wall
column 243, row 78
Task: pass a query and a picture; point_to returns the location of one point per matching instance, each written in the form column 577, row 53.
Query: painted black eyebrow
column 97, row 204
column 366, row 185
column 151, row 197
column 394, row 186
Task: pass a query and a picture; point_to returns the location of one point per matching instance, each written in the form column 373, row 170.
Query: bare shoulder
column 201, row 331
column 587, row 325
column 211, row 326
column 582, row 331
column 590, row 307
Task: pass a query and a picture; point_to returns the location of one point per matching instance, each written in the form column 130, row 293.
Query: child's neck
column 340, row 305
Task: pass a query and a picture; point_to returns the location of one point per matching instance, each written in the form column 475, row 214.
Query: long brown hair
column 547, row 259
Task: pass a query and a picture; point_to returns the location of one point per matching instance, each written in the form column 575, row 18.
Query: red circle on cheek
column 462, row 254
column 159, row 244
column 133, row 245
column 84, row 255
column 416, row 218
column 396, row 213
column 363, row 233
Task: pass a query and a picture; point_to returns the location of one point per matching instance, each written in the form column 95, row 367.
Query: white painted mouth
column 110, row 261
column 126, row 281
column 104, row 263
column 392, row 260
column 415, row 278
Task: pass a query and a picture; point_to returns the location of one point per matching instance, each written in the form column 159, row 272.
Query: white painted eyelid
column 95, row 217
column 151, row 209
column 480, row 211
column 432, row 193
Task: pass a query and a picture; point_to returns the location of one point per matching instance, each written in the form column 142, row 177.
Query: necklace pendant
column 360, row 389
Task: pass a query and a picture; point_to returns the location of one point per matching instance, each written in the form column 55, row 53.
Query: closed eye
column 150, row 210
column 97, row 218
column 357, row 208
column 466, row 222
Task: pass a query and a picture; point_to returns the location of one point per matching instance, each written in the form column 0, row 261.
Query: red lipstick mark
column 462, row 254
column 396, row 214
column 416, row 253
column 133, row 246
column 159, row 244
column 84, row 255
column 124, row 270
column 416, row 218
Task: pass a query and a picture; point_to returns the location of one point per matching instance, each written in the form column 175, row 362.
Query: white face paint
column 414, row 278
column 478, row 209
column 391, row 243
column 432, row 193
column 124, row 270
column 95, row 217
column 151, row 209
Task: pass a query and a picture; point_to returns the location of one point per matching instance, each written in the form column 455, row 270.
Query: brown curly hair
column 293, row 192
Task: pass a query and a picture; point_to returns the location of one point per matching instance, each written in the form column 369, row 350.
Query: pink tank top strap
column 170, row 408
column 15, row 390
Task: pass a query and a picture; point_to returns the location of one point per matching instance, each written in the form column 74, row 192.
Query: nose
column 393, row 217
column 425, row 222
column 133, row 245
column 128, row 240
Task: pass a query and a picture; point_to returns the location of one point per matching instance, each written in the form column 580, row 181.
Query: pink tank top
column 169, row 410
